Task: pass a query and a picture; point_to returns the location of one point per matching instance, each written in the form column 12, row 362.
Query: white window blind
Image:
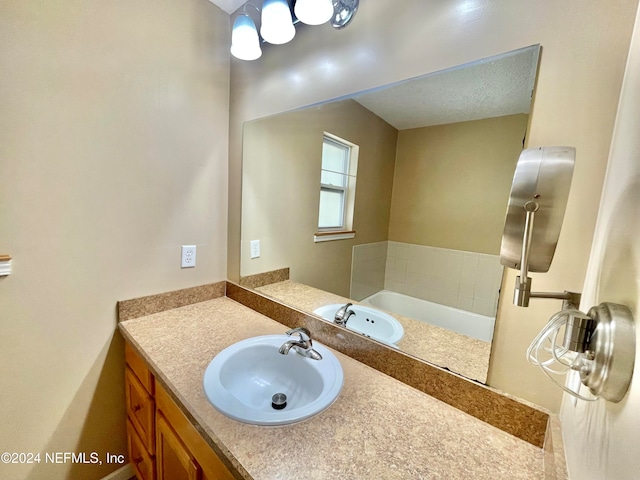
column 334, row 183
column 337, row 189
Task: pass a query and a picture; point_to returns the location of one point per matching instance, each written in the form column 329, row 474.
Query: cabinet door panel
column 143, row 463
column 139, row 367
column 174, row 462
column 212, row 466
column 140, row 409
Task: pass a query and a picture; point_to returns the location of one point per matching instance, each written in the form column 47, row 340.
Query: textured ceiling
column 229, row 6
column 498, row 86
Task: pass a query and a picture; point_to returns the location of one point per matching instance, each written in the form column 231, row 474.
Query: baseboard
column 123, row 473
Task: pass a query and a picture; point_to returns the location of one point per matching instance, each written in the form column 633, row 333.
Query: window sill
column 329, row 236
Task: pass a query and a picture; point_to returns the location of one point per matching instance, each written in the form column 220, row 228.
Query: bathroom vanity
column 162, row 441
column 378, row 427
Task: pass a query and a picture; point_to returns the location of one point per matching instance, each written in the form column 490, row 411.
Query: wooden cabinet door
column 140, row 409
column 173, row 460
column 143, row 464
column 211, row 465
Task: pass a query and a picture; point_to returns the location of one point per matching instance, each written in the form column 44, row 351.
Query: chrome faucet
column 343, row 314
column 303, row 346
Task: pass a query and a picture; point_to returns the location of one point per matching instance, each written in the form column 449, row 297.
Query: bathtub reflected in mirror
column 436, row 156
column 460, row 321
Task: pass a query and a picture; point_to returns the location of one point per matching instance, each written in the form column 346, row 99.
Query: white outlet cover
column 255, row 248
column 188, row 256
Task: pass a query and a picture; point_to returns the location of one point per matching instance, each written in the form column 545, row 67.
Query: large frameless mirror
column 419, row 205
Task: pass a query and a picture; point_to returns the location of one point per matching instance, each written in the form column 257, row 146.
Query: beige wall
column 452, row 183
column 584, row 48
column 281, row 182
column 601, row 439
column 113, row 153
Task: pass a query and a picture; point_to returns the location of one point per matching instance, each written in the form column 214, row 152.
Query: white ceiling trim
column 229, row 6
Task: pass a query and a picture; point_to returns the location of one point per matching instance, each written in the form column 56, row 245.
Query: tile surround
column 465, row 280
column 367, row 269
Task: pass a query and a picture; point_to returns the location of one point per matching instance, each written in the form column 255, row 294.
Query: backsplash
column 465, row 280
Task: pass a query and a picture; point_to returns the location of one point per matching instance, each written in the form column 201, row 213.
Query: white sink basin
column 367, row 321
column 242, row 379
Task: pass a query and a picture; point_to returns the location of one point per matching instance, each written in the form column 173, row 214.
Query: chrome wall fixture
column 539, row 195
column 277, row 19
column 343, row 12
column 600, row 345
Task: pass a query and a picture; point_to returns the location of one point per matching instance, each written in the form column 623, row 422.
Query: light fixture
column 343, row 12
column 277, row 23
column 245, row 43
column 314, row 12
column 600, row 345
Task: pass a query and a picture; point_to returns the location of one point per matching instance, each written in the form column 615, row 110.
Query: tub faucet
column 304, row 345
column 343, row 314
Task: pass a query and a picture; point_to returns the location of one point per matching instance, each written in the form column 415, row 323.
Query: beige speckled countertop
column 378, row 427
column 459, row 353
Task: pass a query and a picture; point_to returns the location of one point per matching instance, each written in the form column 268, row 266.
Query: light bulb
column 277, row 24
column 245, row 43
column 314, row 12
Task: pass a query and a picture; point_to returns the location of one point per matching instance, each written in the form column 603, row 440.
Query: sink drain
column 279, row 401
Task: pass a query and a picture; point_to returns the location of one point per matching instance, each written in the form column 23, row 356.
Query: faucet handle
column 305, row 335
column 343, row 314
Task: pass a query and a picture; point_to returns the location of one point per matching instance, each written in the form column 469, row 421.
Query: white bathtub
column 460, row 321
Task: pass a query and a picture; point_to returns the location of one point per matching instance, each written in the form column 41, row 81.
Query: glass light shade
column 245, row 43
column 314, row 12
column 277, row 24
